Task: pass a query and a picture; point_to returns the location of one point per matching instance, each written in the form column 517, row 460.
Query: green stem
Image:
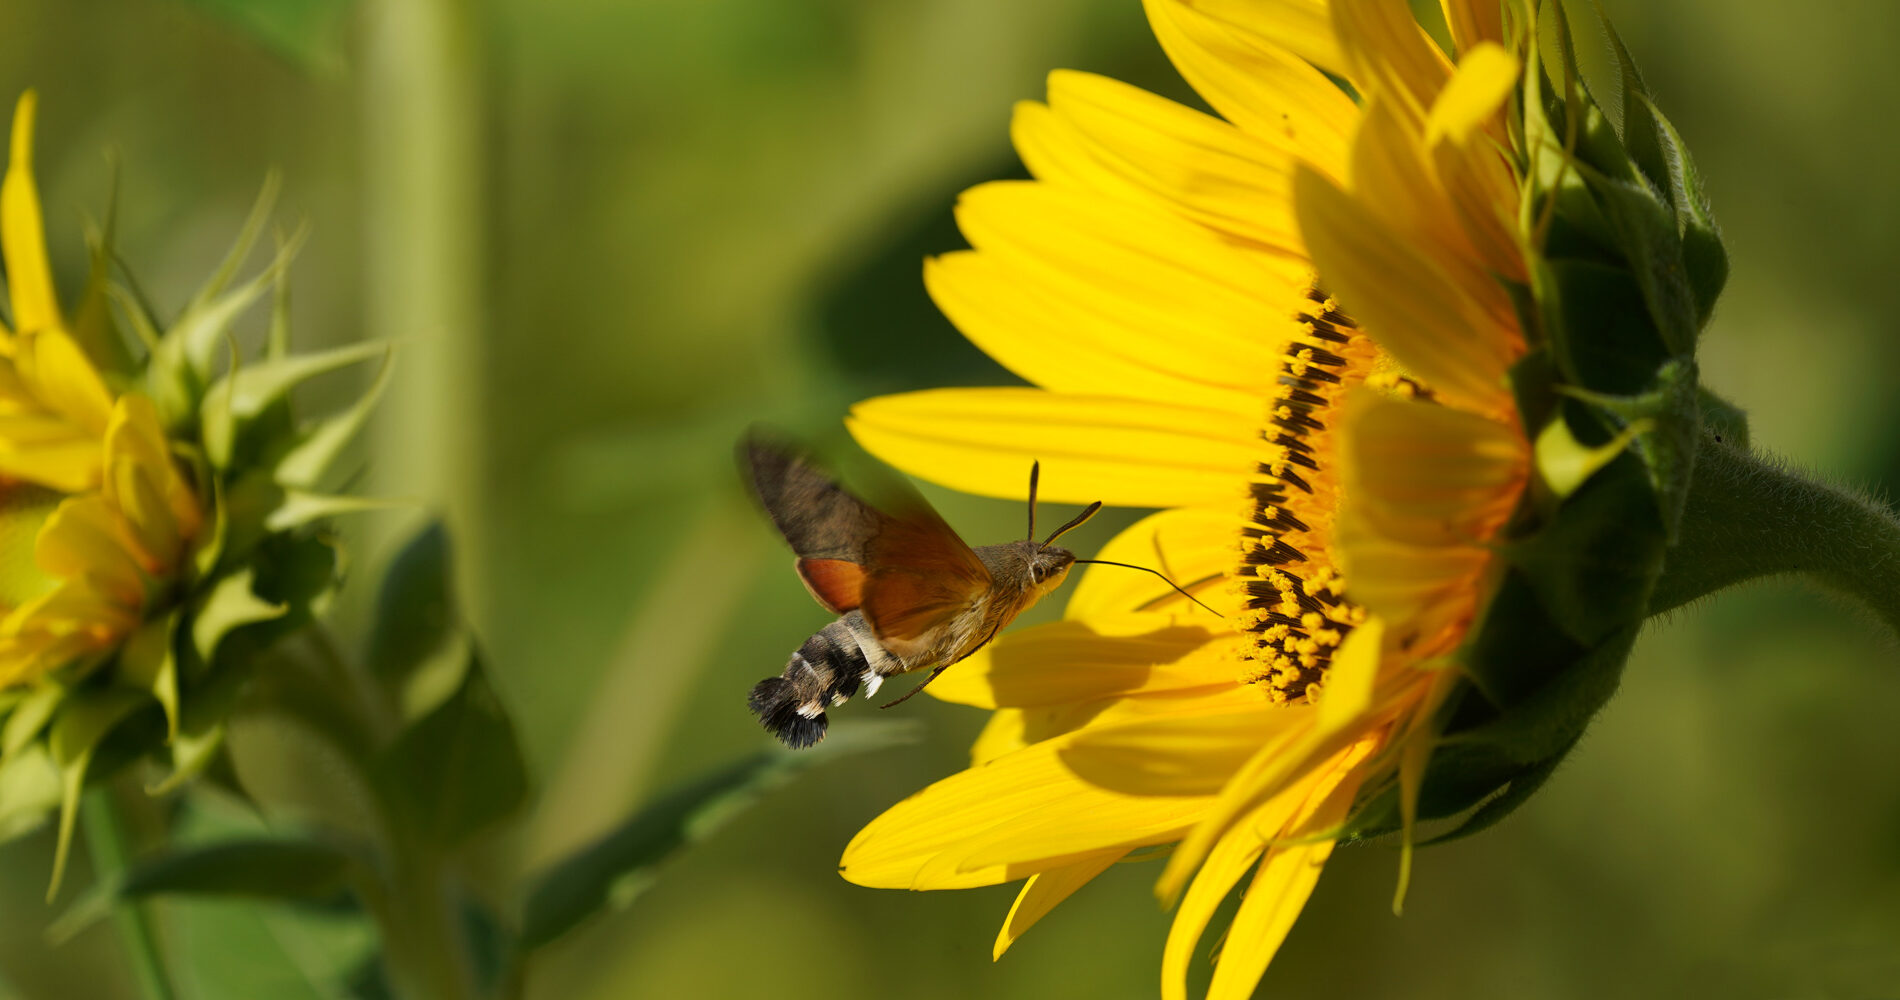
column 106, row 841
column 1749, row 517
column 423, row 943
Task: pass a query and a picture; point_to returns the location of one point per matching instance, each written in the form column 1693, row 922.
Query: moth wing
column 835, row 583
column 898, row 562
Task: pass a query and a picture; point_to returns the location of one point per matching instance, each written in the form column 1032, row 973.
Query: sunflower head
column 159, row 520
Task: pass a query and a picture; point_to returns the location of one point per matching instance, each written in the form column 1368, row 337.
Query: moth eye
column 1035, row 573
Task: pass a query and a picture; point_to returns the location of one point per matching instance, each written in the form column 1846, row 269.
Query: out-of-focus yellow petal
column 1044, row 890
column 43, row 450
column 1071, row 661
column 1123, row 452
column 22, row 234
column 1473, row 21
column 1194, row 164
column 1406, row 300
column 1256, row 84
column 1425, row 474
column 1388, row 54
column 85, row 537
column 64, row 379
column 1050, row 337
column 1463, row 133
column 1194, row 547
column 1350, row 680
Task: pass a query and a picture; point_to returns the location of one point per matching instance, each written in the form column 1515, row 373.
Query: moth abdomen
column 827, row 670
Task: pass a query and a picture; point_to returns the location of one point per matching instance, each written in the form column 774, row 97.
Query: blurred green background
column 613, row 234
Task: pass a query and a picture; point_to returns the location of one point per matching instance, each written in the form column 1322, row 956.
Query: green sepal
column 321, row 443
column 229, row 605
column 85, row 718
column 148, row 661
column 262, row 868
column 299, row 508
column 245, row 394
column 30, row 790
column 457, row 770
column 30, row 716
column 1592, row 565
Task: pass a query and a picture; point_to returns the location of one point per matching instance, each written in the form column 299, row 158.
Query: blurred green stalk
column 423, row 152
column 107, row 843
column 426, row 219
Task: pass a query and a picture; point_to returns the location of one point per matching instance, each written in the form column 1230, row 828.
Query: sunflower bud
column 160, row 522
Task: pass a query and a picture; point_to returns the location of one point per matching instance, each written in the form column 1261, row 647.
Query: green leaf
column 1594, row 564
column 617, row 867
column 84, row 720
column 456, row 770
column 415, row 609
column 262, row 868
column 1648, row 238
column 306, row 33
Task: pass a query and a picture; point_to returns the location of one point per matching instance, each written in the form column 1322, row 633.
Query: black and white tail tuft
column 775, row 701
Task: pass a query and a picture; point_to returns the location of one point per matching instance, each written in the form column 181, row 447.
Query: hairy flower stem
column 1749, row 516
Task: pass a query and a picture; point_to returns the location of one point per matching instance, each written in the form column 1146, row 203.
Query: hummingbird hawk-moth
column 909, row 593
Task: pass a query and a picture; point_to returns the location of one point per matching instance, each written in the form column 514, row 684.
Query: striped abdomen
column 824, row 672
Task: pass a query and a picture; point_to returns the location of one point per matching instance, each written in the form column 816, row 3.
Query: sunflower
column 1290, row 328
column 91, row 470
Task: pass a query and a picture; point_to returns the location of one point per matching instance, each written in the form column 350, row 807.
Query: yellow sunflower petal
column 65, row 463
column 1123, row 452
column 1066, row 345
column 1071, row 661
column 1193, row 163
column 1183, row 295
column 1046, row 889
column 1473, row 21
column 1278, row 893
column 1401, row 582
column 1389, row 53
column 1006, row 732
column 22, row 234
column 84, row 536
column 919, row 842
column 1256, row 83
column 1425, row 474
column 1406, row 300
column 1350, row 679
column 1225, row 864
column 65, row 381
column 1303, row 26
column 1194, row 547
column 1463, row 132
column 1180, row 754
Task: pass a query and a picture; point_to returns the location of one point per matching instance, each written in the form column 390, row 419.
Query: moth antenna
column 1035, row 472
column 1074, row 522
column 1144, row 569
